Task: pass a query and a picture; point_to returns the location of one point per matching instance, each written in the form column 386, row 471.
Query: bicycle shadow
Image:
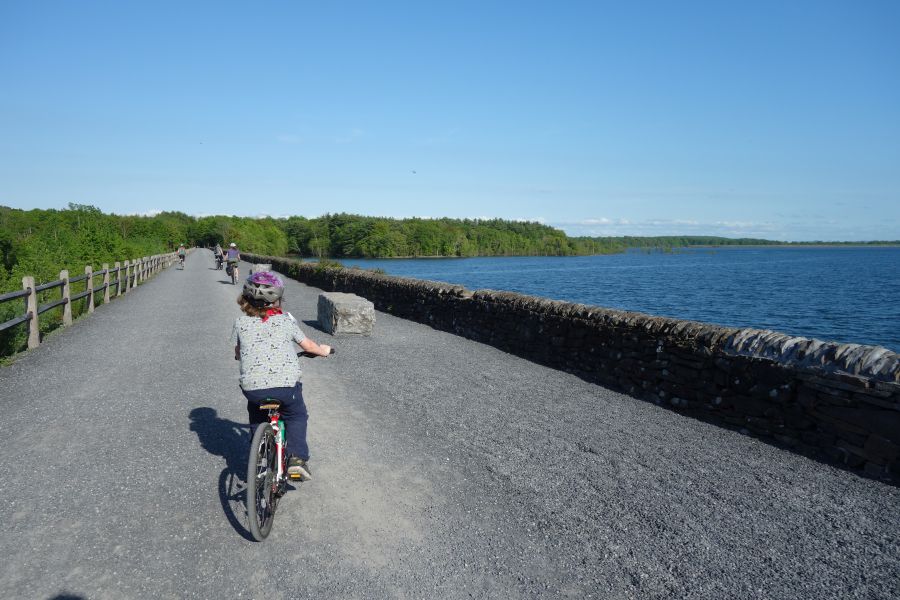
column 231, row 441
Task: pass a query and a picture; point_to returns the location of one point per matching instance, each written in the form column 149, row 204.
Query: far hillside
column 684, row 241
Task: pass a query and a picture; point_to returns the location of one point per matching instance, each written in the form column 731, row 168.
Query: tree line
column 346, row 236
column 43, row 242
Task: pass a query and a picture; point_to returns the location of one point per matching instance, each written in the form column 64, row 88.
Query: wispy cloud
column 593, row 222
column 268, row 216
column 288, row 138
column 605, row 226
column 438, row 139
column 351, row 136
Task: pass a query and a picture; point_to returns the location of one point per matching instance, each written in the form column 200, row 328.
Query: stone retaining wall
column 835, row 402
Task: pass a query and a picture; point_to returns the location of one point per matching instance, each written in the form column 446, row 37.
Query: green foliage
column 41, row 243
column 326, row 264
column 344, row 235
column 678, row 241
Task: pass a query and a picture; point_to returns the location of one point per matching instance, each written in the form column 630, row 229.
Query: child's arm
column 236, row 340
column 313, row 348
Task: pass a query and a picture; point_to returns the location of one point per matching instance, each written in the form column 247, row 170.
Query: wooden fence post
column 118, row 278
column 31, row 306
column 67, row 296
column 105, row 283
column 89, row 287
column 145, row 262
column 127, row 277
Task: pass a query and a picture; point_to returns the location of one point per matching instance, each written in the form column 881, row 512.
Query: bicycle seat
column 271, row 405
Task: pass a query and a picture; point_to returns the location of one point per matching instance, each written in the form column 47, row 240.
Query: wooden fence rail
column 128, row 275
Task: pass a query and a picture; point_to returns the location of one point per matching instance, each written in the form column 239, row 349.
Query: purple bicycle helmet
column 263, row 287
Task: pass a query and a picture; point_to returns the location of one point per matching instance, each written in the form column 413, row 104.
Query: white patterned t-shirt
column 268, row 356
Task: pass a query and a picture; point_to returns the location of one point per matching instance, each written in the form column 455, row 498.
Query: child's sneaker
column 298, row 469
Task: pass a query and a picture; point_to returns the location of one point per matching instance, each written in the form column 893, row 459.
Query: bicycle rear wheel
column 261, row 472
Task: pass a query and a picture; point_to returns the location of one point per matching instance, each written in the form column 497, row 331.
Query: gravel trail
column 443, row 468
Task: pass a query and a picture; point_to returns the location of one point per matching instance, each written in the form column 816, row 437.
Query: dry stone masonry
column 340, row 312
column 834, row 402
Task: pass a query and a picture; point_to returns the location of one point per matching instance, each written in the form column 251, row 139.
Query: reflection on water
column 847, row 294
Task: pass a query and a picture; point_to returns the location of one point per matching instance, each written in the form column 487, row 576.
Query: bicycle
column 232, row 270
column 267, row 477
column 181, row 258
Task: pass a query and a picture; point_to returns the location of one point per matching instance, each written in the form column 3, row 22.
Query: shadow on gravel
column 226, row 282
column 314, row 324
column 67, row 597
column 231, row 441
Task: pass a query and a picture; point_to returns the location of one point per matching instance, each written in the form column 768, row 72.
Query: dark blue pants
column 293, row 413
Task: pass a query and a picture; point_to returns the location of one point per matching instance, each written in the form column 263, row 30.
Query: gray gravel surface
column 443, row 468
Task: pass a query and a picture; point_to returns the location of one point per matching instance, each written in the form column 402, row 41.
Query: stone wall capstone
column 839, row 403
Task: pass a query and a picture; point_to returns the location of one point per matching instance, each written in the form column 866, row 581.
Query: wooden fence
column 127, row 277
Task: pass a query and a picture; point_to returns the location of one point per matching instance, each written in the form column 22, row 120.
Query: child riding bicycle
column 264, row 339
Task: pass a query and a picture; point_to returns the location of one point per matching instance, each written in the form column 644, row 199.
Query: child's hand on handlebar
column 312, row 349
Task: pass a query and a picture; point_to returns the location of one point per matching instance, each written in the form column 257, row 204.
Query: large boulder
column 345, row 313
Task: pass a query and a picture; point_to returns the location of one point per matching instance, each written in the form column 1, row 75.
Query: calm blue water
column 841, row 294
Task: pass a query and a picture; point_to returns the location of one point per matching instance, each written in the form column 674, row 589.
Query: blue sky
column 772, row 119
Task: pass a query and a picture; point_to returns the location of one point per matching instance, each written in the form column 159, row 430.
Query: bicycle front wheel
column 262, row 469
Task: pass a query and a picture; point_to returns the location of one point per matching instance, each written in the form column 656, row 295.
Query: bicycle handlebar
column 311, row 355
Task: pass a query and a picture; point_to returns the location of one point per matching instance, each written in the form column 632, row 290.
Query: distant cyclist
column 233, row 256
column 264, row 341
column 218, row 252
column 181, row 253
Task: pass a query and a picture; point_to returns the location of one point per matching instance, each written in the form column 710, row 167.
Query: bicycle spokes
column 262, row 482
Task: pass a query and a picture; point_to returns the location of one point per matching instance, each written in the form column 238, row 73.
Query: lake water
column 845, row 294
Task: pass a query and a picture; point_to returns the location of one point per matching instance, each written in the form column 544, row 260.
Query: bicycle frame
column 278, row 428
column 267, row 483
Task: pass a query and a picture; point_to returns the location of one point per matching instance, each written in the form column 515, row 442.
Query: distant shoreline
column 803, row 245
column 646, row 248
